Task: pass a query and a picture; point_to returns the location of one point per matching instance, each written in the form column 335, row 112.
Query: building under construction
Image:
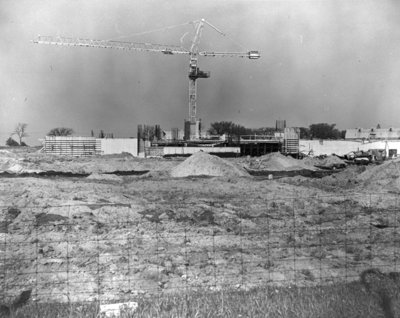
column 153, row 141
column 286, row 142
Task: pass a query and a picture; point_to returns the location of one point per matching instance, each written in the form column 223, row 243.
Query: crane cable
column 151, row 31
column 218, row 31
column 235, row 42
column 173, row 27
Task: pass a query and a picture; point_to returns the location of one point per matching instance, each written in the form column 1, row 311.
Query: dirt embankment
column 203, row 164
column 36, row 162
column 278, row 162
column 380, row 178
column 383, row 177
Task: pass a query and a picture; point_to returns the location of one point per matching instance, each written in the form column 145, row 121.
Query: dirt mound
column 9, row 161
column 385, row 176
column 277, row 162
column 7, row 154
column 203, row 164
column 327, row 162
column 332, row 160
column 387, row 170
column 14, row 164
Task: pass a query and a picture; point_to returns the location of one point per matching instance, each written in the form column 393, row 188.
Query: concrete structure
column 192, row 130
column 373, row 134
column 258, row 145
column 108, row 146
column 291, row 145
column 186, row 151
column 342, row 147
column 173, row 134
column 89, row 146
column 285, row 141
column 280, row 125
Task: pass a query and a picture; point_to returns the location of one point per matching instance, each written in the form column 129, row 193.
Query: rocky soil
column 200, row 222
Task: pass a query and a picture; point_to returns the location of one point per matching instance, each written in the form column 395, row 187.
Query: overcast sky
column 333, row 61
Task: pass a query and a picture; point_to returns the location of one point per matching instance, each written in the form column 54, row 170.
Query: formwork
column 259, row 145
column 89, row 146
column 108, row 146
column 291, row 141
column 171, row 151
column 71, row 146
column 260, row 148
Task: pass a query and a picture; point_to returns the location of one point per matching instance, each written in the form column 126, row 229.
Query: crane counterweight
column 254, row 55
column 197, row 73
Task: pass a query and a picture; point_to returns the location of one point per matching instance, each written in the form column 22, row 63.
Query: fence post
column 345, row 245
column 294, row 242
column 395, row 235
column 128, row 226
column 370, row 231
column 67, row 255
column 98, row 259
column 241, row 249
column 158, row 261
column 269, row 264
column 214, row 262
column 320, row 245
column 4, row 269
column 188, row 315
column 36, row 226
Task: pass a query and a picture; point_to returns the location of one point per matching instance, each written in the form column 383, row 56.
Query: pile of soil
column 9, row 162
column 203, row 164
column 277, row 162
column 7, row 154
column 381, row 177
column 327, row 162
column 36, row 162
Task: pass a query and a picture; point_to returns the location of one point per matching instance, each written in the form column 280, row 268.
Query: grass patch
column 335, row 301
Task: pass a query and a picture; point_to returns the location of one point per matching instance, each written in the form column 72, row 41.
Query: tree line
column 20, row 132
column 314, row 131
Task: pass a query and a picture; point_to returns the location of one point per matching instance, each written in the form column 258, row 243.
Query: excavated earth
column 198, row 222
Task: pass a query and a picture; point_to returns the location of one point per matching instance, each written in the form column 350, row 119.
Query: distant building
column 373, row 134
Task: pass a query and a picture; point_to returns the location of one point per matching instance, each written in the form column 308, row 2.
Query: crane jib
column 253, row 55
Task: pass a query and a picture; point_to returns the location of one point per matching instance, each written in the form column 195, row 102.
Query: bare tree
column 60, row 131
column 20, row 131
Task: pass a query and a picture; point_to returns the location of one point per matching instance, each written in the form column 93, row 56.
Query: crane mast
column 192, row 132
column 194, row 73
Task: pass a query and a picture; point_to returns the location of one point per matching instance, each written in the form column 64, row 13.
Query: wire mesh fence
column 115, row 252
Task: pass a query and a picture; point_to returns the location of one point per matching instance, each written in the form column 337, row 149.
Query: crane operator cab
column 196, row 73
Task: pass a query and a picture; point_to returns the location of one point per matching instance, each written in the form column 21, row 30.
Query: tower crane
column 194, row 53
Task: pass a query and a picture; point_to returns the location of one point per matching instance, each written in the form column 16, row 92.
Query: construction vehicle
column 193, row 52
column 361, row 157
